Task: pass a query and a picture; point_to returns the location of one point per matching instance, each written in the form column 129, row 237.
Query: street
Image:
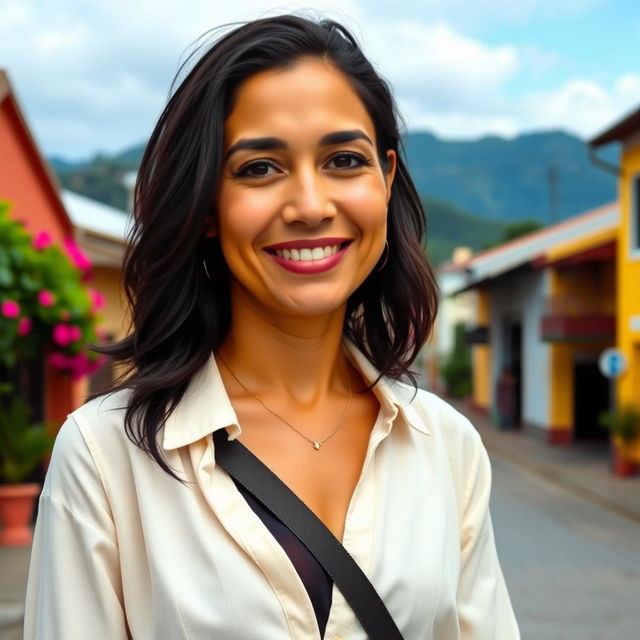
column 571, row 566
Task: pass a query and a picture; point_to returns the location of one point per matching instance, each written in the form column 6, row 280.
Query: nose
column 309, row 201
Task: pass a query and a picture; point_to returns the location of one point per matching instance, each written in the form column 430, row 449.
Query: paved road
column 572, row 567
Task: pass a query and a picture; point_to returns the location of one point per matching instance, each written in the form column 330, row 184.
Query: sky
column 93, row 75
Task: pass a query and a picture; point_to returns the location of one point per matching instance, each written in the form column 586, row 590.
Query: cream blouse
column 122, row 550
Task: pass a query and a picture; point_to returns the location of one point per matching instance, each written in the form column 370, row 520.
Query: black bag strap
column 267, row 488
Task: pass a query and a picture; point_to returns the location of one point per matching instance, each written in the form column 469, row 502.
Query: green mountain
column 545, row 177
column 449, row 227
column 100, row 178
column 542, row 176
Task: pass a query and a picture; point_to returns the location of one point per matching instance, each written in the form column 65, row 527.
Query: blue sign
column 612, row 363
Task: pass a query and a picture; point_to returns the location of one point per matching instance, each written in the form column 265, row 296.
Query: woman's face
column 301, row 208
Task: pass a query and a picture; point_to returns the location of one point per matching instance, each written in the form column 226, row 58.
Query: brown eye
column 348, row 161
column 256, row 169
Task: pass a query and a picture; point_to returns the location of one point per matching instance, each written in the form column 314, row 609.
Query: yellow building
column 545, row 311
column 627, row 134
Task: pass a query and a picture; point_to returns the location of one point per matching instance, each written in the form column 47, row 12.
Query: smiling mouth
column 303, row 253
column 309, row 257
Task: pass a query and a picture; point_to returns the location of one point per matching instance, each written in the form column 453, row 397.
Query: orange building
column 28, row 183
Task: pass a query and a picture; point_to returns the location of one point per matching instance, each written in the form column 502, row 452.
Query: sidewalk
column 583, row 468
column 14, row 565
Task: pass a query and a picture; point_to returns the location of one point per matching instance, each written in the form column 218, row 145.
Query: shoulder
column 93, row 428
column 440, row 418
column 450, row 437
column 452, row 441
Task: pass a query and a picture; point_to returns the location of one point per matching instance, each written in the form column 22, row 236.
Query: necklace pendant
column 316, row 445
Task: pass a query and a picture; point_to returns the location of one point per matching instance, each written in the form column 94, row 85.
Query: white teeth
column 317, row 253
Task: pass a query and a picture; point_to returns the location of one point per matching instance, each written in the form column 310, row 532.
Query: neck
column 300, row 357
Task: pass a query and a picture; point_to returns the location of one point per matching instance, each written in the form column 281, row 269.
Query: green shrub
column 623, row 423
column 457, row 368
column 45, row 304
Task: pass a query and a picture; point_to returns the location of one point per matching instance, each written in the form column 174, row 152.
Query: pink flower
column 24, row 326
column 46, row 298
column 97, row 299
column 79, row 259
column 61, row 335
column 42, row 240
column 79, row 365
column 10, row 309
column 65, row 334
column 58, row 360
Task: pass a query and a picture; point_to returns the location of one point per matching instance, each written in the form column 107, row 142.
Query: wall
column 24, row 182
column 628, row 282
column 628, row 385
column 586, row 288
column 522, row 297
column 482, row 355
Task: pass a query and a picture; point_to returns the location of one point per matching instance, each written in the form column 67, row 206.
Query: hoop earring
column 206, row 271
column 386, row 256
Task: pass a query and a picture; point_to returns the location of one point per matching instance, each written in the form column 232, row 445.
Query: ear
column 390, row 172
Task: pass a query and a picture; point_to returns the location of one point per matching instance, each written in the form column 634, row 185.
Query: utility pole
column 553, row 194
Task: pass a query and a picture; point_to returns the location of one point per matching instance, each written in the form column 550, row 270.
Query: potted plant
column 624, row 426
column 22, row 447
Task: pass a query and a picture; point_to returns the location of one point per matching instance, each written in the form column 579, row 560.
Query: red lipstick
column 309, row 267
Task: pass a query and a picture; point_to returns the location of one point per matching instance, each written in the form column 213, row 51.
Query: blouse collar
column 205, row 406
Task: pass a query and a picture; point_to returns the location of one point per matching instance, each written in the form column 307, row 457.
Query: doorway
column 591, row 396
column 509, row 383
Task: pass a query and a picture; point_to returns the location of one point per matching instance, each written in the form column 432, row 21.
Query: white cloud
column 536, row 61
column 473, row 14
column 581, row 106
column 91, row 77
column 457, row 125
column 439, row 66
column 101, row 71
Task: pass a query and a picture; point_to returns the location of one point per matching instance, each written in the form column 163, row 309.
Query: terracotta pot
column 622, row 466
column 16, row 509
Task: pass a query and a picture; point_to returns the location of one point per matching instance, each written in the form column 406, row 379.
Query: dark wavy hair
column 178, row 315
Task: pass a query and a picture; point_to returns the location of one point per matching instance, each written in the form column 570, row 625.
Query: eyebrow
column 268, row 144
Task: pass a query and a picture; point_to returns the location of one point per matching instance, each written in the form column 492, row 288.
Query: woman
column 279, row 291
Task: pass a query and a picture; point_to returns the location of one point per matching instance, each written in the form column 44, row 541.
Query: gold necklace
column 316, row 443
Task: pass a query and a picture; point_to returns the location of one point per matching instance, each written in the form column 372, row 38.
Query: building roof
column 527, row 249
column 624, row 128
column 40, row 166
column 96, row 217
column 100, row 230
